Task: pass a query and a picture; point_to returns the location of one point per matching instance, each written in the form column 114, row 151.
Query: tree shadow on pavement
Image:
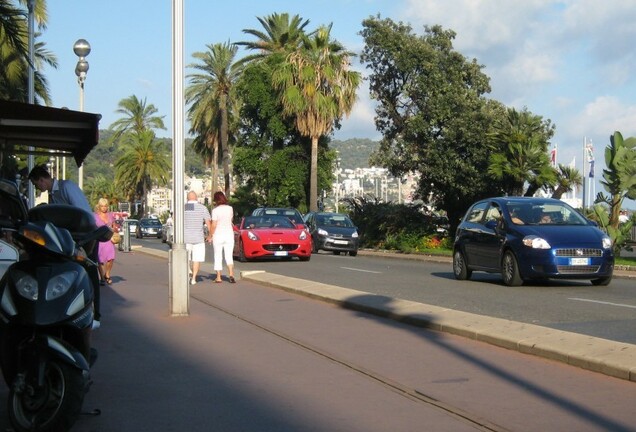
column 424, row 326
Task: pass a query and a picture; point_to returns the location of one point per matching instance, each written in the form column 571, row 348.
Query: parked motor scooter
column 46, row 314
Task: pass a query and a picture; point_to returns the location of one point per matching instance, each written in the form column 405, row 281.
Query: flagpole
column 584, row 177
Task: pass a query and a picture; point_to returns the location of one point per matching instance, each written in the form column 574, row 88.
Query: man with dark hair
column 60, row 191
column 67, row 192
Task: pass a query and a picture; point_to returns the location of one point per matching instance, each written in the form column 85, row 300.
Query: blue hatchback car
column 531, row 239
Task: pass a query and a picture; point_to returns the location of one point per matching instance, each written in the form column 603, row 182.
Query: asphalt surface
column 265, row 355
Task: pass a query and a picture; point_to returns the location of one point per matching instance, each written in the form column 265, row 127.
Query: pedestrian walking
column 106, row 250
column 196, row 215
column 223, row 236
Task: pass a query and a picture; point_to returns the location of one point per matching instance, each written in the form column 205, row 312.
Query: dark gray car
column 333, row 232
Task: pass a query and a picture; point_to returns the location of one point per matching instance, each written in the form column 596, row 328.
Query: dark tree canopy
column 431, row 112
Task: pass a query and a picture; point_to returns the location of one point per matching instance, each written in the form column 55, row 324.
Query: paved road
column 574, row 306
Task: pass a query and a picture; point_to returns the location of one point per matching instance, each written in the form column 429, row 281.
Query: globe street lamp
column 81, row 48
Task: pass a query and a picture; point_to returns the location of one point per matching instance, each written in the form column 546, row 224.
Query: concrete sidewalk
column 608, row 357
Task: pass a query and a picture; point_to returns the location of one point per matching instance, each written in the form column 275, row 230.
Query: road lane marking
column 360, row 270
column 604, row 302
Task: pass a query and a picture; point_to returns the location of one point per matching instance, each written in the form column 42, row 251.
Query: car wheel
column 510, row 270
column 336, row 252
column 601, row 281
column 305, row 258
column 460, row 269
column 353, row 253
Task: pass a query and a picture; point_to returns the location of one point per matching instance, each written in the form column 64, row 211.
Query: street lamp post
column 81, row 48
column 337, row 181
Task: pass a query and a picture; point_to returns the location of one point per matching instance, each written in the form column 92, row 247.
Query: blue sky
column 571, row 61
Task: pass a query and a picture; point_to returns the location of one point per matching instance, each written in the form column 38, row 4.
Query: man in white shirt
column 195, row 216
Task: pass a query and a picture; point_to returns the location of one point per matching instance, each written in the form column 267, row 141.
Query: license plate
column 340, row 242
column 280, row 253
column 579, row 261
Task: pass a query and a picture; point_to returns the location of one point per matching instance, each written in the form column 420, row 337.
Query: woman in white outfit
column 223, row 236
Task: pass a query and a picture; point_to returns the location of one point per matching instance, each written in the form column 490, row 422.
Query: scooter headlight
column 59, row 285
column 26, row 285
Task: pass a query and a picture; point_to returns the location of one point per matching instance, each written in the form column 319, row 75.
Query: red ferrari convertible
column 271, row 237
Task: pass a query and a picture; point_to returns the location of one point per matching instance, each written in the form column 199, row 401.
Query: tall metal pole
column 584, row 159
column 179, row 288
column 81, row 48
column 31, row 93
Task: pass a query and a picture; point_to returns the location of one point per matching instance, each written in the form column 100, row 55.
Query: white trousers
column 223, row 246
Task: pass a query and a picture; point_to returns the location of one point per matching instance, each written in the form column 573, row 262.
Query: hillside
column 354, row 153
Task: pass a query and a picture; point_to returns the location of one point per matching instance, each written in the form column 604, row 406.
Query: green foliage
column 389, row 225
column 519, row 142
column 355, row 152
column 243, row 202
column 141, row 165
column 431, row 113
column 620, row 235
column 619, row 176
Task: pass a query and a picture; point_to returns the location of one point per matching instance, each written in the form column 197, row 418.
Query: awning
column 66, row 132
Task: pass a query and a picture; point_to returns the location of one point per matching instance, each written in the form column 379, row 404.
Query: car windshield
column 265, row 222
column 151, row 222
column 292, row 214
column 543, row 213
column 334, row 221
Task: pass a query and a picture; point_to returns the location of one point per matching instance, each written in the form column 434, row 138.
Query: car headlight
column 355, row 234
column 252, row 236
column 536, row 242
column 322, row 232
column 26, row 285
column 303, row 235
column 607, row 242
column 59, row 285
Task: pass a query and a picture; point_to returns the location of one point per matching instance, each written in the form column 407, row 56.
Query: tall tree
column 280, row 34
column 138, row 117
column 141, row 165
column 317, row 88
column 214, row 103
column 14, row 54
column 520, row 152
column 431, row 112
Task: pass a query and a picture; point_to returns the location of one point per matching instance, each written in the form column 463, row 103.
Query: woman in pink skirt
column 106, row 252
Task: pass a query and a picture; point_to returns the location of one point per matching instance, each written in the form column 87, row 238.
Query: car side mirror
column 491, row 224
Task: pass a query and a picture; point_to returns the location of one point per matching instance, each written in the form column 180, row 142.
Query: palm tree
column 520, row 144
column 567, row 179
column 141, row 164
column 214, row 103
column 14, row 53
column 138, row 117
column 317, row 89
column 102, row 187
column 280, row 34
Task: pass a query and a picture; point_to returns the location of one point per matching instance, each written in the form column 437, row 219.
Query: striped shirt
column 195, row 216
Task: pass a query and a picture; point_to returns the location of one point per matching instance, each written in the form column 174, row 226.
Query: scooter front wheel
column 52, row 406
